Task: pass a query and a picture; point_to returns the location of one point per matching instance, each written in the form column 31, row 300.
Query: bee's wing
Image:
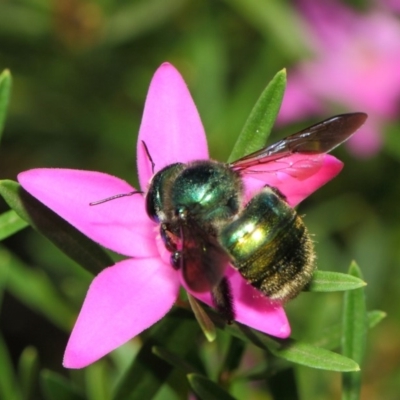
column 203, row 261
column 301, row 153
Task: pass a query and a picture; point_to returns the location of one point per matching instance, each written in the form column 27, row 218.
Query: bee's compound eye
column 158, row 191
column 175, row 259
column 151, row 208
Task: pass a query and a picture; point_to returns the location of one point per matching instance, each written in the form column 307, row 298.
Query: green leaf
column 33, row 288
column 233, row 355
column 28, row 372
column 332, row 336
column 327, row 281
column 314, row 357
column 72, row 242
column 289, row 349
column 97, row 379
column 8, row 383
column 374, row 317
column 10, row 223
column 329, row 339
column 355, row 326
column 203, row 319
column 5, row 90
column 176, row 332
column 56, row 387
column 173, row 359
column 206, row 389
column 258, row 126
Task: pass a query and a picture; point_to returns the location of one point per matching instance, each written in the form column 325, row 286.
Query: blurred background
column 81, row 69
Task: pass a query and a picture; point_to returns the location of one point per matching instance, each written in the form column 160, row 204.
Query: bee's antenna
column 148, row 155
column 117, row 196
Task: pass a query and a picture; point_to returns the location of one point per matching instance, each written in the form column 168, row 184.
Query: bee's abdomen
column 270, row 246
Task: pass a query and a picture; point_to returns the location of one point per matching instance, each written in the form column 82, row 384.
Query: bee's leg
column 223, row 300
column 169, row 239
column 176, row 260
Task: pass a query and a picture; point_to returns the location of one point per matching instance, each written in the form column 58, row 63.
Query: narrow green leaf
column 374, row 317
column 233, row 355
column 28, row 372
column 5, row 91
column 56, row 387
column 203, row 319
column 72, row 242
column 355, row 326
column 289, row 349
column 122, row 356
column 97, row 379
column 174, row 359
column 8, row 383
column 206, row 389
column 314, row 357
column 176, row 332
column 332, row 336
column 328, row 281
column 329, row 339
column 33, row 288
column 258, row 126
column 10, row 223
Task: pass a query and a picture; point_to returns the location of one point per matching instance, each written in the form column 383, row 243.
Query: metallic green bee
column 205, row 224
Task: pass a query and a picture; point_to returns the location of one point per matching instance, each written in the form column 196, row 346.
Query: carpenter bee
column 205, row 223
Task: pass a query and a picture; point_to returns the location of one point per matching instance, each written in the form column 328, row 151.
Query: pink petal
column 254, row 309
column 350, row 48
column 295, row 190
column 251, row 307
column 120, row 225
column 122, row 301
column 171, row 126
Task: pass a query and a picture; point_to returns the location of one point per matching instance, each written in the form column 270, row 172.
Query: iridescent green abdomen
column 204, row 225
column 270, row 246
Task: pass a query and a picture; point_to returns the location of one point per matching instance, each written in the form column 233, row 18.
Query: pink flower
column 355, row 64
column 135, row 293
column 391, row 5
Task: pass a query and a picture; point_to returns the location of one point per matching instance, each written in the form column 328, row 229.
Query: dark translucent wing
column 203, row 261
column 317, row 139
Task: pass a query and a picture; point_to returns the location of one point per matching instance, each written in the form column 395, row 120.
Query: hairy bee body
column 270, row 246
column 205, row 223
column 200, row 204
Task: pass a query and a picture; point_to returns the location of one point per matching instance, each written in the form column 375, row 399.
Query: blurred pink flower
column 355, row 64
column 135, row 293
column 391, row 5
